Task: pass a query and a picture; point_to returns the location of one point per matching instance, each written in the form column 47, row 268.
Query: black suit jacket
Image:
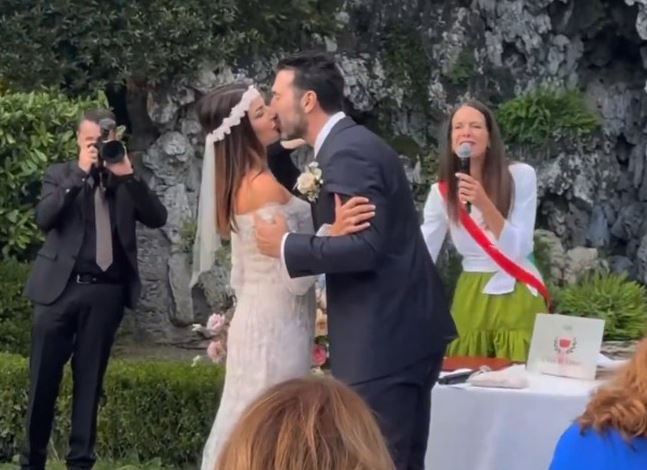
column 59, row 213
column 386, row 304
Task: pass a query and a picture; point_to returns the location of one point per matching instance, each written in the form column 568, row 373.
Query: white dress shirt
column 516, row 240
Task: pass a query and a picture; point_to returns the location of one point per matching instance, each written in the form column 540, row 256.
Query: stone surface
column 402, row 80
column 554, row 251
column 581, row 261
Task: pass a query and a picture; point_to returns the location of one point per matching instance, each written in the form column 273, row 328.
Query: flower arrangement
column 320, row 353
column 216, row 332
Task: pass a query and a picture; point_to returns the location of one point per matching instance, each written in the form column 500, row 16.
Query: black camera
column 110, row 151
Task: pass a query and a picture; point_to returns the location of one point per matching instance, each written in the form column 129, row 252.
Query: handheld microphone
column 464, row 153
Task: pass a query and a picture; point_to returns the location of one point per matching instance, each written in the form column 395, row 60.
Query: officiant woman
column 488, row 207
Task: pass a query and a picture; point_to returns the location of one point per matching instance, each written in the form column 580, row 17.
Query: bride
column 270, row 336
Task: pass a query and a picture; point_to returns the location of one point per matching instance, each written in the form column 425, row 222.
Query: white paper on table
column 511, row 377
column 565, row 346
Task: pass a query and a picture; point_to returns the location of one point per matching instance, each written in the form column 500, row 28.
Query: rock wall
column 406, row 64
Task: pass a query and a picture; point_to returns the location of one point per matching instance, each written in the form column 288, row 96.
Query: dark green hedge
column 84, row 44
column 152, row 410
column 36, row 130
column 15, row 309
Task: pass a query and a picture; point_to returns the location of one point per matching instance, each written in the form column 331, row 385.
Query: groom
column 388, row 319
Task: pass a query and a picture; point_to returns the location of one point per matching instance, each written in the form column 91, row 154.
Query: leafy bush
column 405, row 60
column 463, row 69
column 153, row 410
column 15, row 309
column 546, row 114
column 611, row 297
column 81, row 44
column 57, row 464
column 36, row 129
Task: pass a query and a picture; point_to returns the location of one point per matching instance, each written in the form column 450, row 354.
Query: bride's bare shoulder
column 258, row 190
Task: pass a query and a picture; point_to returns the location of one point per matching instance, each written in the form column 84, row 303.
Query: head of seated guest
column 612, row 432
column 310, row 423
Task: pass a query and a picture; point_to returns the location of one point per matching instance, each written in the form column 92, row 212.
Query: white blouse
column 515, row 241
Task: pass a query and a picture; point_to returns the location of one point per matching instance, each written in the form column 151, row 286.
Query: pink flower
column 319, row 355
column 216, row 351
column 216, row 322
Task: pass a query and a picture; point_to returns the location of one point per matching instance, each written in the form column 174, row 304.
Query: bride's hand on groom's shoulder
column 352, row 216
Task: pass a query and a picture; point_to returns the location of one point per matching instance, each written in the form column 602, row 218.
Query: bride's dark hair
column 238, row 154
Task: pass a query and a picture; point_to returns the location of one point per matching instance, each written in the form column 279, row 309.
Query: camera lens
column 113, row 151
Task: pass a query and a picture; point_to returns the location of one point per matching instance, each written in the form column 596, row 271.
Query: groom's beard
column 298, row 130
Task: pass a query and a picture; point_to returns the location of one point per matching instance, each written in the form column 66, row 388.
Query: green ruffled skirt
column 493, row 325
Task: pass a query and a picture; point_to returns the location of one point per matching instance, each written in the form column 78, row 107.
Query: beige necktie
column 102, row 228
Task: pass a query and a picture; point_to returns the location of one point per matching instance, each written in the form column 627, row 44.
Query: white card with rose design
column 565, row 346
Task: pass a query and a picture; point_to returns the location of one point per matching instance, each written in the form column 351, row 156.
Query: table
column 476, row 428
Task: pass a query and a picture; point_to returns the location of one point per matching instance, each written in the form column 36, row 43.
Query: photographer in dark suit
column 83, row 277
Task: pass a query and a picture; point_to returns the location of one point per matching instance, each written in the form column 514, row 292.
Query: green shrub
column 546, row 114
column 405, row 60
column 58, row 464
column 153, row 410
column 15, row 309
column 611, row 297
column 83, row 44
column 463, row 68
column 36, row 129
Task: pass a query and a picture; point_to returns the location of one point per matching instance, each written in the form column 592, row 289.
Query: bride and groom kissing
column 388, row 319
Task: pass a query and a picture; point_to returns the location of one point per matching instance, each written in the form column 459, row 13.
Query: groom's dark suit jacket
column 386, row 304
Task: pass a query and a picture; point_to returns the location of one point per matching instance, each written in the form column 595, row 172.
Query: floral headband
column 236, row 114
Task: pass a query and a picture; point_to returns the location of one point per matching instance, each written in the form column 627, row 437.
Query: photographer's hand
column 88, row 156
column 123, row 168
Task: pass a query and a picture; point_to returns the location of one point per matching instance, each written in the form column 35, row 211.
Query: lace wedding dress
column 271, row 333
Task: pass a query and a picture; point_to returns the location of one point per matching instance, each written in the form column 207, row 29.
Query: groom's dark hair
column 318, row 72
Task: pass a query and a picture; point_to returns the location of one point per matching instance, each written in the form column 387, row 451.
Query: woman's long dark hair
column 497, row 180
column 239, row 153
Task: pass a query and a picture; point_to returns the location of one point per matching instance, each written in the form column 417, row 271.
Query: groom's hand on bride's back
column 352, row 216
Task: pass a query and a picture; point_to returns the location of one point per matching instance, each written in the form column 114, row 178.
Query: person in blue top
column 612, row 432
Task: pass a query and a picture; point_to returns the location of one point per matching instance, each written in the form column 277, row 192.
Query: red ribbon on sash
column 505, row 263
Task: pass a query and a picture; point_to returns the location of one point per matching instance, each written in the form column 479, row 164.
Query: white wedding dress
column 271, row 333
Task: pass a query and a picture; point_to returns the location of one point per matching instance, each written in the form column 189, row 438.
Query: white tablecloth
column 474, row 428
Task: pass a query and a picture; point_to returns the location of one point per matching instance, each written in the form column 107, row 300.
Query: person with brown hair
column 307, row 424
column 612, row 432
column 270, row 337
column 489, row 211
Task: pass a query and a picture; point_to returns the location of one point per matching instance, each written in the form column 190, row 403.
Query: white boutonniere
column 310, row 181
